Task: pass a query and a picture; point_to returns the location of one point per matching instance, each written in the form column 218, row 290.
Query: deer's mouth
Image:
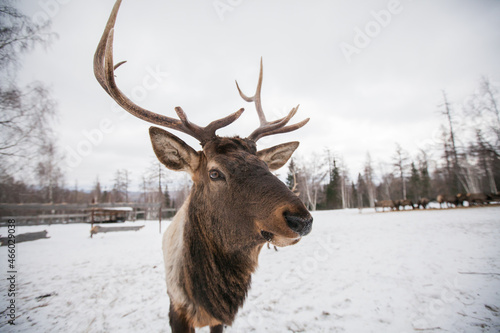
column 278, row 240
column 268, row 236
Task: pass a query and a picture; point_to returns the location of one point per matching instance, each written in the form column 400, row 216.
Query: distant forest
column 469, row 163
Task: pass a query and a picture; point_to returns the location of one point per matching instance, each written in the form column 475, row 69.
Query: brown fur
column 476, row 198
column 222, row 231
column 385, row 203
column 422, row 202
column 447, row 200
column 236, row 205
column 403, row 203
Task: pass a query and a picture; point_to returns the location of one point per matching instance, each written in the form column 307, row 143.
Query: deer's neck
column 217, row 279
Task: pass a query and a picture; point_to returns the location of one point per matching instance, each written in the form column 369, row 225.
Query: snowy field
column 413, row 271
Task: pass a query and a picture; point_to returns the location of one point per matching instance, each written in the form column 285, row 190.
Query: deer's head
column 235, row 196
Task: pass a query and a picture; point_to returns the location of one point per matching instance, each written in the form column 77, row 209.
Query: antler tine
column 286, row 129
column 273, row 127
column 203, row 134
column 104, row 73
column 256, row 98
column 278, row 126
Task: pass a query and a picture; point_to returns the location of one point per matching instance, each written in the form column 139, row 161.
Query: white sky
column 388, row 92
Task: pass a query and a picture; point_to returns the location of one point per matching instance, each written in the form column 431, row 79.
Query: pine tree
column 363, row 199
column 414, row 184
column 291, row 179
column 332, row 190
column 354, row 196
column 425, row 180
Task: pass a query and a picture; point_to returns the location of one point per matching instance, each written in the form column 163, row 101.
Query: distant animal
column 461, row 197
column 236, row 204
column 477, row 199
column 422, row 202
column 495, row 196
column 385, row 203
column 403, row 203
column 447, row 200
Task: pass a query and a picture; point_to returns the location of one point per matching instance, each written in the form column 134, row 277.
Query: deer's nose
column 299, row 224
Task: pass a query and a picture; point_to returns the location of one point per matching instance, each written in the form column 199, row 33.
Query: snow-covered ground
column 413, row 271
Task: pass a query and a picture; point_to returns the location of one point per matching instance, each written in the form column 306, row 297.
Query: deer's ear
column 275, row 157
column 174, row 153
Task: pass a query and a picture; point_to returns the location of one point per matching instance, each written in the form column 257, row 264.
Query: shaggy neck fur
column 217, row 280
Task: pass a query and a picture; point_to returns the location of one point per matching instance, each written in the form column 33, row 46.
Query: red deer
column 236, row 204
column 447, row 200
column 403, row 203
column 477, row 199
column 461, row 197
column 385, row 203
column 422, row 202
column 495, row 197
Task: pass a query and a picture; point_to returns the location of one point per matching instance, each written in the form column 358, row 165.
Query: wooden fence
column 35, row 214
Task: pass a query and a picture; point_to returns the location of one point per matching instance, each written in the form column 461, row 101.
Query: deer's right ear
column 174, row 153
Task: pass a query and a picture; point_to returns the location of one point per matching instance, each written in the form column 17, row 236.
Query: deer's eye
column 215, row 175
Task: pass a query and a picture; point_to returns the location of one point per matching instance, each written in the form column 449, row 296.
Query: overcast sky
column 368, row 73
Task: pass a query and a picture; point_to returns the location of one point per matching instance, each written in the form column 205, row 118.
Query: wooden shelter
column 111, row 214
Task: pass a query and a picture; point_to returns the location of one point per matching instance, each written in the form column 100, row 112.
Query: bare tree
column 470, row 177
column 152, row 181
column 121, row 185
column 451, row 148
column 96, row 194
column 345, row 189
column 385, row 191
column 400, row 163
column 48, row 172
column 25, row 113
column 369, row 180
column 485, row 158
column 18, row 35
column 483, row 119
column 489, row 108
column 25, row 120
column 312, row 174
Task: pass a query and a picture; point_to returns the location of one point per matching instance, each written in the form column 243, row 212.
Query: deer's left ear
column 174, row 153
column 275, row 157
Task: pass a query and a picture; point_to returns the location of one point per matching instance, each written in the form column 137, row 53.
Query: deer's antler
column 269, row 127
column 104, row 71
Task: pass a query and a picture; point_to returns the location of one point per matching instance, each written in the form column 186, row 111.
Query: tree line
column 30, row 161
column 468, row 161
column 468, row 148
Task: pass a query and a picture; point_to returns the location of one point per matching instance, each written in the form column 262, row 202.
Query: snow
column 120, row 209
column 411, row 271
